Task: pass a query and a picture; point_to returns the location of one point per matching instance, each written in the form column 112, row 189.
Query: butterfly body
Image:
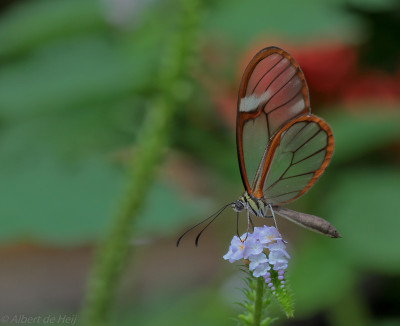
column 255, row 206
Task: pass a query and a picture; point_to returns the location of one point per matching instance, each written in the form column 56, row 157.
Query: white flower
column 281, row 266
column 266, row 234
column 253, row 246
column 278, row 246
column 264, row 249
column 236, row 250
column 256, row 260
column 278, row 259
column 261, row 270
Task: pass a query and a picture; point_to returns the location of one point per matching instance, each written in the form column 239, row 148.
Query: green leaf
column 71, row 74
column 284, row 296
column 31, row 24
column 364, row 205
column 373, row 5
column 358, row 134
column 53, row 197
column 319, row 275
column 267, row 321
column 197, row 308
column 279, row 18
column 70, row 204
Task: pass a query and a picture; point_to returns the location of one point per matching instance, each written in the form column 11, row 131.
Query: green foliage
column 279, row 18
column 359, row 134
column 284, row 295
column 35, row 23
column 69, row 203
column 368, row 219
column 153, row 139
column 258, row 298
column 198, row 308
column 71, row 107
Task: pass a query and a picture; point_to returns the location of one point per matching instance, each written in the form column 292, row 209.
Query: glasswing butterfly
column 282, row 148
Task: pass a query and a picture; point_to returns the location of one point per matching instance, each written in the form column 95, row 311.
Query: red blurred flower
column 327, row 67
column 373, row 87
column 333, row 75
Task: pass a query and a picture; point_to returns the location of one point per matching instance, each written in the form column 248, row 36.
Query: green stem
column 112, row 253
column 258, row 302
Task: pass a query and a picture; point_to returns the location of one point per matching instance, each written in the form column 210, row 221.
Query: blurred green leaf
column 386, row 322
column 26, row 26
column 213, row 147
column 359, row 134
column 71, row 74
column 319, row 275
column 241, row 22
column 69, row 204
column 58, row 198
column 74, row 133
column 69, row 103
column 364, row 206
column 195, row 309
column 373, row 4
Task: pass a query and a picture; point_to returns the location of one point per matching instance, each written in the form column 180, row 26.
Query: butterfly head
column 238, row 205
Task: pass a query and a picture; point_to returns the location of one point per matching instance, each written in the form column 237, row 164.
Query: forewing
column 298, row 154
column 273, row 91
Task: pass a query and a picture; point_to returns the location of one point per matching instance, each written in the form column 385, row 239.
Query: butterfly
column 282, row 148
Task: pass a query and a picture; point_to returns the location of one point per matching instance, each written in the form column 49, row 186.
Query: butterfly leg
column 273, row 216
column 251, row 223
column 237, row 225
column 248, row 225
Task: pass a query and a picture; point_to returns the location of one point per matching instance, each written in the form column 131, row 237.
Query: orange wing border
column 258, row 192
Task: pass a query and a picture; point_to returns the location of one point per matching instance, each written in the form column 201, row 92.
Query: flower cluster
column 264, row 250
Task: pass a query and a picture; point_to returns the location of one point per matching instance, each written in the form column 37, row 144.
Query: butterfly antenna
column 208, row 224
column 196, row 225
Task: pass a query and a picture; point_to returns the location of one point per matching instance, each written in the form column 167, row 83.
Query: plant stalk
column 112, row 253
column 259, row 301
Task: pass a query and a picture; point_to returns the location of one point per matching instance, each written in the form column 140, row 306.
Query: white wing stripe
column 252, row 102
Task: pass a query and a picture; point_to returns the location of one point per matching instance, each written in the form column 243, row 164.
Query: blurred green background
column 76, row 82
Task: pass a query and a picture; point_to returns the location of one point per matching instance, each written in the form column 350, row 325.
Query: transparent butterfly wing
column 297, row 156
column 273, row 91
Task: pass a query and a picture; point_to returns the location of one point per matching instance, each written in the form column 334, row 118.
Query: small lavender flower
column 236, row 250
column 256, row 260
column 259, row 265
column 264, row 250
column 267, row 234
column 267, row 259
column 261, row 269
column 278, row 260
column 278, row 246
column 280, row 266
column 253, row 246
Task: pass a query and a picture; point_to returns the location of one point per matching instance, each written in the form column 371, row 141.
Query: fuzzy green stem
column 258, row 305
column 112, row 253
